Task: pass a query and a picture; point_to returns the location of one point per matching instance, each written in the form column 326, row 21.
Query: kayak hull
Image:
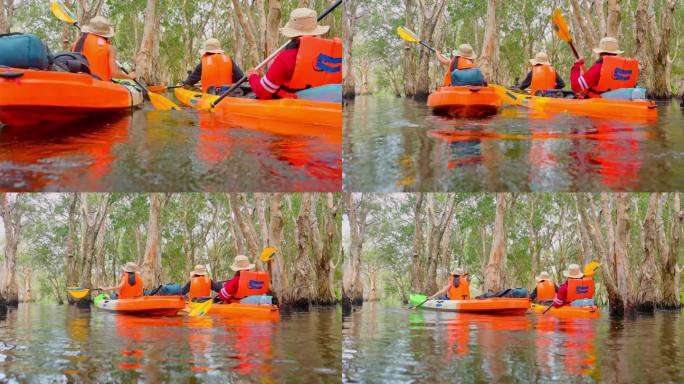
column 567, row 312
column 243, row 310
column 490, row 306
column 468, row 102
column 143, row 306
column 30, row 97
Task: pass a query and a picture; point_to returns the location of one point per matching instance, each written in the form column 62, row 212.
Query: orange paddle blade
column 560, row 26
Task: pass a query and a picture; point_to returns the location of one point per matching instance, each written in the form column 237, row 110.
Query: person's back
column 545, row 291
column 132, row 286
column 460, row 288
column 611, row 72
column 96, row 49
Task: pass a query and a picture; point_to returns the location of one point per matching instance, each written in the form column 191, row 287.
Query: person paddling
column 577, row 291
column 200, row 284
column 545, row 291
column 244, row 283
column 609, row 73
column 94, row 44
column 131, row 285
column 461, row 68
column 458, row 287
column 542, row 77
column 308, row 61
column 215, row 70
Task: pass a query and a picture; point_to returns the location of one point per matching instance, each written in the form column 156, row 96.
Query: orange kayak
column 29, row 97
column 142, row 306
column 491, row 306
column 458, row 102
column 567, row 312
column 244, row 310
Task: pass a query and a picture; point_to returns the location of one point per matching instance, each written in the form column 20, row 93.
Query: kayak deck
column 458, row 102
column 143, row 306
column 31, row 97
column 567, row 312
column 240, row 309
column 491, row 306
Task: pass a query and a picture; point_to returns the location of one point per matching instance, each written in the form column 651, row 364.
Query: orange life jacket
column 543, row 78
column 129, row 291
column 252, row 283
column 580, row 289
column 461, row 63
column 546, row 290
column 200, row 286
column 217, row 71
column 96, row 49
column 463, row 290
column 319, row 62
column 617, row 73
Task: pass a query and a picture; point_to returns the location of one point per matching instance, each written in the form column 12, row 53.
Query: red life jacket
column 459, row 63
column 580, row 289
column 546, row 290
column 462, row 292
column 252, row 283
column 129, row 291
column 217, row 71
column 543, row 78
column 96, row 49
column 200, row 286
column 617, row 73
column 319, row 62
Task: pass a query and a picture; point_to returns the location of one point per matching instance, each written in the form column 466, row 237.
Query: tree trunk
column 11, row 219
column 429, row 17
column 669, row 287
column 488, row 61
column 275, row 11
column 437, row 227
column 409, row 60
column 494, row 270
column 348, row 30
column 151, row 265
column 28, row 292
column 300, row 277
column 416, row 267
column 279, row 279
column 248, row 32
column 91, row 224
column 147, row 58
column 324, row 240
column 245, row 228
column 583, row 19
column 71, row 272
column 648, row 273
column 613, row 19
column 6, row 14
column 87, row 9
column 352, row 285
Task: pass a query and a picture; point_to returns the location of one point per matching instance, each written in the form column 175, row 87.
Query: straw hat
column 303, row 22
column 573, row 272
column 212, row 46
column 465, row 50
column 130, row 267
column 241, row 263
column 99, row 25
column 458, row 272
column 608, row 45
column 540, row 58
column 542, row 276
column 200, row 270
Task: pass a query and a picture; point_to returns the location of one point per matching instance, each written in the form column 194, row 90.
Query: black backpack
column 73, row 62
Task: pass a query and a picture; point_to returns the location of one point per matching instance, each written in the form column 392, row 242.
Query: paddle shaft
column 547, row 309
column 426, row 300
column 269, row 58
column 136, row 80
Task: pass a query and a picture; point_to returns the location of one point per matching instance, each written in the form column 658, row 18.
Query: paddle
column 158, row 101
column 80, row 292
column 411, row 37
column 269, row 58
column 161, row 88
column 201, row 309
column 560, row 26
column 416, row 306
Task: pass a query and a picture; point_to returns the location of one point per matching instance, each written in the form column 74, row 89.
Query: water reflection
column 397, row 145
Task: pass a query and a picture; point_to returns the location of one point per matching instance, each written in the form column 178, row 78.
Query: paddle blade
column 62, row 12
column 162, row 103
column 590, row 269
column 407, row 34
column 78, row 292
column 156, row 88
column 560, row 26
column 200, row 309
column 268, row 254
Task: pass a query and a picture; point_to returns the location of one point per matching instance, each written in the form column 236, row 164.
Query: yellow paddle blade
column 162, row 103
column 268, row 254
column 62, row 12
column 78, row 292
column 590, row 269
column 560, row 26
column 200, row 309
column 407, row 34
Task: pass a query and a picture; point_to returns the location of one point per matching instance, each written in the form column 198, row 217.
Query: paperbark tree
column 352, row 285
column 408, row 61
column 653, row 45
column 71, row 271
column 147, row 57
column 350, row 8
column 272, row 30
column 87, row 9
column 248, row 31
column 496, row 264
column 28, row 293
column 582, row 18
column 324, row 237
column 430, row 12
column 490, row 50
column 613, row 19
column 6, row 15
column 12, row 220
column 279, row 279
column 438, row 224
column 669, row 271
column 151, row 265
column 416, row 270
column 91, row 225
column 648, row 273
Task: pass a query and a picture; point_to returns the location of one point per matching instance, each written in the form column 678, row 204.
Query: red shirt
column 562, row 296
column 581, row 83
column 278, row 73
column 229, row 289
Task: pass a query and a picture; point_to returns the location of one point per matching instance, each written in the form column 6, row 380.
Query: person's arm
column 114, row 288
column 443, row 60
column 280, row 71
column 556, row 285
column 186, row 289
column 440, row 292
column 561, row 297
column 527, row 82
column 216, row 286
column 237, row 73
column 195, row 76
column 114, row 69
column 560, row 84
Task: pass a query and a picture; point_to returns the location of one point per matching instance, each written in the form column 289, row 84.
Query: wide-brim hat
column 241, row 263
column 458, row 272
column 467, row 51
column 212, row 46
column 130, row 267
column 303, row 22
column 99, row 25
column 573, row 272
column 608, row 45
column 542, row 276
column 540, row 58
column 200, row 270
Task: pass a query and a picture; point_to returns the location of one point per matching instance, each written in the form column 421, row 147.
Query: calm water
column 49, row 343
column 394, row 345
column 395, row 144
column 168, row 151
